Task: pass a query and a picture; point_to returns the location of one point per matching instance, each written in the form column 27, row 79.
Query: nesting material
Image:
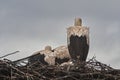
column 69, row 63
column 90, row 70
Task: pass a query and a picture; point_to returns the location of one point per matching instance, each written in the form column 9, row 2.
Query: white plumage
column 51, row 56
column 45, row 56
column 79, row 31
column 62, row 52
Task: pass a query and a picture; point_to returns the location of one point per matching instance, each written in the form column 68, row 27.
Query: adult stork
column 78, row 40
column 48, row 56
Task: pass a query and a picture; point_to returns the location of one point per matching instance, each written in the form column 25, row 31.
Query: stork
column 78, row 41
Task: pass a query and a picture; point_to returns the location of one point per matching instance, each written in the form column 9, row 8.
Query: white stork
column 44, row 56
column 48, row 56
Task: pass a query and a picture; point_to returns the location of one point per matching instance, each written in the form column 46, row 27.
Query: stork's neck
column 78, row 22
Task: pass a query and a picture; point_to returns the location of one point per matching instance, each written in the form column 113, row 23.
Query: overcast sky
column 29, row 25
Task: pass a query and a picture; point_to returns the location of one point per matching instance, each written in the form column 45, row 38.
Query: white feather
column 61, row 52
column 78, row 31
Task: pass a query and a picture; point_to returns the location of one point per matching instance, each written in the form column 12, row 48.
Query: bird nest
column 89, row 70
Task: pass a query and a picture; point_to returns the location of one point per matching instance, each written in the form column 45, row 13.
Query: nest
column 89, row 70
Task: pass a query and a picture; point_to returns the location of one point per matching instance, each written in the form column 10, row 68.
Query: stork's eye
column 52, row 50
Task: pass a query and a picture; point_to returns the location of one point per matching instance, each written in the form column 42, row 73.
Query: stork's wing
column 62, row 52
column 78, row 47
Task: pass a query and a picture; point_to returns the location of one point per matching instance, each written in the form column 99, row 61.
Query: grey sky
column 29, row 25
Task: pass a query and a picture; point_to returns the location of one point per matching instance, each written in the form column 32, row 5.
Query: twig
column 9, row 54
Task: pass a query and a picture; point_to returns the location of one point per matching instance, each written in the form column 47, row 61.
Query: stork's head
column 78, row 22
column 48, row 48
